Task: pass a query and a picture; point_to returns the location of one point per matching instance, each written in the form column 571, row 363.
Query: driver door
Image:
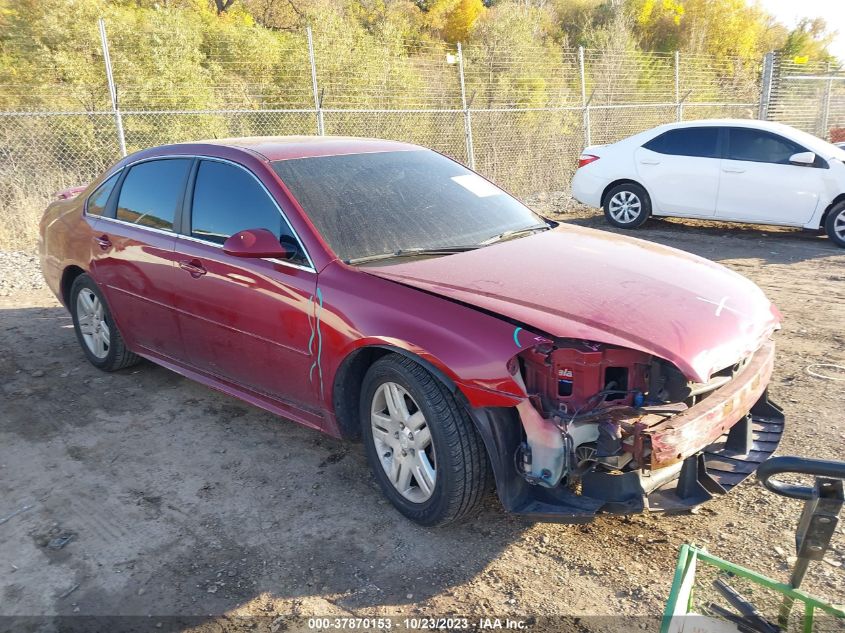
column 244, row 320
column 759, row 184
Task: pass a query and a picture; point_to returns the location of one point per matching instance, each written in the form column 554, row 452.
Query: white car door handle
column 649, row 162
column 733, row 170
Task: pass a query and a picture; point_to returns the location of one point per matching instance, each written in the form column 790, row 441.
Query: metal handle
column 194, row 267
column 733, row 171
column 650, row 162
column 103, row 242
column 799, row 465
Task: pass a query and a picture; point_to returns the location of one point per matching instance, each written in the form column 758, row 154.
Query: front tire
column 95, row 328
column 627, row 206
column 421, row 444
column 835, row 224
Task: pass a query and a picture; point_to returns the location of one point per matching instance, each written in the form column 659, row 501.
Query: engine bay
column 591, row 405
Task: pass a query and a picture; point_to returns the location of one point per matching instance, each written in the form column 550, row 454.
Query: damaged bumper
column 683, row 460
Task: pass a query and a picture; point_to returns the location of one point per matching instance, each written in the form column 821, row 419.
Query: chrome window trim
column 272, row 199
column 310, row 266
column 139, row 226
column 281, row 262
column 127, row 167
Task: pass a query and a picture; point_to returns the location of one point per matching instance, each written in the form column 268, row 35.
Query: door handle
column 103, row 242
column 650, row 162
column 194, row 267
column 733, row 170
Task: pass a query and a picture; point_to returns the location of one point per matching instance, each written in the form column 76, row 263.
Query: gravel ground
column 19, row 271
column 178, row 500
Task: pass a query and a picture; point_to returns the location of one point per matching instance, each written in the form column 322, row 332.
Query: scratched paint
column 316, row 332
column 721, row 305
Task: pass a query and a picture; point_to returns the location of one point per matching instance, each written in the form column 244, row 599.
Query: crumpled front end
column 608, row 429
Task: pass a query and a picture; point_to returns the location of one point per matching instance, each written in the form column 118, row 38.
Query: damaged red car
column 380, row 291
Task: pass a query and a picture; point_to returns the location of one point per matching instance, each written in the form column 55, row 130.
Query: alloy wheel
column 839, row 225
column 90, row 315
column 402, row 440
column 624, row 207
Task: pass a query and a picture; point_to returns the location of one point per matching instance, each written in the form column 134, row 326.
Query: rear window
column 98, row 200
column 700, row 142
column 375, row 203
column 152, row 191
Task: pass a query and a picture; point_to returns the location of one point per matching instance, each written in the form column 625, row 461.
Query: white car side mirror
column 803, row 158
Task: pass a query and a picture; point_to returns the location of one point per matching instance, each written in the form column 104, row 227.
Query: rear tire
column 411, row 420
column 95, row 328
column 627, row 206
column 835, row 224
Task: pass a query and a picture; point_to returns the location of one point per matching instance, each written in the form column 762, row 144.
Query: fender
column 363, row 316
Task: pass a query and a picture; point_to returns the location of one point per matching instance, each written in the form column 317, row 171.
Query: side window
column 760, row 147
column 97, row 201
column 152, row 191
column 228, row 199
column 701, row 142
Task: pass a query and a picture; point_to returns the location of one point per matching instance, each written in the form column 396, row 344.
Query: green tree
column 808, row 40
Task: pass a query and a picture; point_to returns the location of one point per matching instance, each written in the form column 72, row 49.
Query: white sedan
column 731, row 170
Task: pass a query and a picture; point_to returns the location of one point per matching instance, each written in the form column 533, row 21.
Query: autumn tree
column 453, row 19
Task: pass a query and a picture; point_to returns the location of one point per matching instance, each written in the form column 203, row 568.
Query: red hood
column 581, row 283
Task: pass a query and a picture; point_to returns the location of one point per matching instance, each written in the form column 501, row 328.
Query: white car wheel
column 627, row 206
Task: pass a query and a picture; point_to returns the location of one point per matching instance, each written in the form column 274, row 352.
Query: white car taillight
column 586, row 159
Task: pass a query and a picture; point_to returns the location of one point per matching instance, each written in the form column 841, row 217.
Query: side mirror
column 255, row 243
column 803, row 159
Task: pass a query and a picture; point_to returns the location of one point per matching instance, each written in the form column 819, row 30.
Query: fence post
column 118, row 118
column 467, row 114
column 584, row 103
column 824, row 119
column 318, row 107
column 679, row 107
column 766, row 85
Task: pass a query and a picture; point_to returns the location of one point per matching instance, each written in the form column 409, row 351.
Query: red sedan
column 378, row 290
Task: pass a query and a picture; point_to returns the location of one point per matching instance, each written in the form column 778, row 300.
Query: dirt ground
column 178, row 500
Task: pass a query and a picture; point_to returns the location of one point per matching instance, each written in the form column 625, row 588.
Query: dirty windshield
column 387, row 202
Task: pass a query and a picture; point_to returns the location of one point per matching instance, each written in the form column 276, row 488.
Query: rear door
column 759, row 184
column 249, row 321
column 135, row 263
column 680, row 170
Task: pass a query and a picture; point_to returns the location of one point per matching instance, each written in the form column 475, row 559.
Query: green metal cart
column 819, row 518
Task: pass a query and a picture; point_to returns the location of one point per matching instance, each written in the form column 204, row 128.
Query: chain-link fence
column 809, row 96
column 519, row 115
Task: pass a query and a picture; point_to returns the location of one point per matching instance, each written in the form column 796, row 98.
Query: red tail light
column 586, row 159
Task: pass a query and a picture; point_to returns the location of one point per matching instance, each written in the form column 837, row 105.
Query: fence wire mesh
column 519, row 115
column 809, row 96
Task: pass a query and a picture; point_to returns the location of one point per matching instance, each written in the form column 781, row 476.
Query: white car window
column 701, row 142
column 758, row 146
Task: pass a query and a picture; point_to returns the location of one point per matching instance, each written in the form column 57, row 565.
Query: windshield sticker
column 516, row 337
column 477, row 185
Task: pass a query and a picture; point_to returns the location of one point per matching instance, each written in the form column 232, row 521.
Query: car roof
column 771, row 126
column 291, row 147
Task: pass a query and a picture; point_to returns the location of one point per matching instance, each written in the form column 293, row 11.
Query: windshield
column 376, row 203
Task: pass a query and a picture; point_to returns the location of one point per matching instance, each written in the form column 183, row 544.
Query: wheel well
column 836, row 200
column 621, row 181
column 346, row 394
column 68, row 277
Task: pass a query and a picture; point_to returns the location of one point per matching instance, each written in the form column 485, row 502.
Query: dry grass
column 19, row 226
